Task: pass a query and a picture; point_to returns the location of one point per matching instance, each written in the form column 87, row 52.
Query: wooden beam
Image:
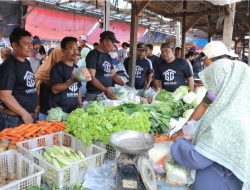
column 141, row 5
column 183, row 29
column 207, row 12
column 228, row 27
column 133, row 43
column 202, row 13
column 249, row 49
column 192, row 22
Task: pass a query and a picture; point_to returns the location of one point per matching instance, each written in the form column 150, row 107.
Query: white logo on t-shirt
column 29, row 77
column 169, row 75
column 138, row 70
column 73, row 87
column 107, row 67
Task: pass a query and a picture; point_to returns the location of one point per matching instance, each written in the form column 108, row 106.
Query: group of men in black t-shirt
column 18, row 89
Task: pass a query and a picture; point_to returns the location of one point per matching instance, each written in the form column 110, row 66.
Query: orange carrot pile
column 30, row 130
column 161, row 138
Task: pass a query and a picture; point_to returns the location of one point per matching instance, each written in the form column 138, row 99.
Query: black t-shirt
column 102, row 63
column 67, row 99
column 173, row 75
column 18, row 77
column 142, row 69
column 154, row 59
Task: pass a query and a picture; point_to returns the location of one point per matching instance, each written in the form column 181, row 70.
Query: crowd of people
column 36, row 81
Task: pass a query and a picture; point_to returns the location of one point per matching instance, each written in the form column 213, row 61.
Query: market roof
column 161, row 15
column 203, row 14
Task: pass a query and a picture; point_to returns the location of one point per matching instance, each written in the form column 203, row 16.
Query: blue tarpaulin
column 198, row 41
column 155, row 37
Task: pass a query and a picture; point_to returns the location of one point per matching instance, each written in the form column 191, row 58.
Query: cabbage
column 180, row 92
column 188, row 113
column 164, row 96
column 200, row 92
column 56, row 114
column 189, row 98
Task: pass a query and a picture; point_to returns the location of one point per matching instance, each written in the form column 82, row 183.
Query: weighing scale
column 133, row 169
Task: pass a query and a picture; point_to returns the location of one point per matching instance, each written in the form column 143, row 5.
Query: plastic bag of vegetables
column 175, row 173
column 82, row 74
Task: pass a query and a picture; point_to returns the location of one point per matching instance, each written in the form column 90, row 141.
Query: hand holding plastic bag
column 82, row 74
column 189, row 129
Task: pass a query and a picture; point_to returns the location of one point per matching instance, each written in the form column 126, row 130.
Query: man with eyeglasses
column 143, row 69
column 102, row 72
column 172, row 72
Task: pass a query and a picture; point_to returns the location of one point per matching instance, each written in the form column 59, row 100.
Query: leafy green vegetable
column 188, row 113
column 99, row 122
column 180, row 92
column 56, row 114
column 164, row 96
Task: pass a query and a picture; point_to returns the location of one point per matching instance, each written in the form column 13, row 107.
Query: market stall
column 138, row 120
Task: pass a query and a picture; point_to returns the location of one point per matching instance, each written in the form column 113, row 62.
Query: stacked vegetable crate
column 68, row 176
column 24, row 173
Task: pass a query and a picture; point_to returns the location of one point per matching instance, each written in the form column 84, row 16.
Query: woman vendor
column 220, row 148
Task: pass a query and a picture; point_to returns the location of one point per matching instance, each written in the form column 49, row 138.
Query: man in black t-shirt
column 172, row 72
column 65, row 89
column 17, row 84
column 153, row 58
column 99, row 64
column 143, row 68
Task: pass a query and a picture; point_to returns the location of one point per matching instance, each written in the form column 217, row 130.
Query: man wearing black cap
column 99, row 63
column 143, row 69
column 172, row 72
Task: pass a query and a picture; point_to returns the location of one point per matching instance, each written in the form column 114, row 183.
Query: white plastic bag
column 82, row 74
column 190, row 128
column 100, row 178
column 175, row 173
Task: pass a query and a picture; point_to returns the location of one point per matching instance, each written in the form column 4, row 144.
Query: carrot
column 31, row 132
column 48, row 131
column 25, row 127
column 11, row 134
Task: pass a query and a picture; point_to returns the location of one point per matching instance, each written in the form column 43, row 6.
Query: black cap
column 142, row 46
column 110, row 36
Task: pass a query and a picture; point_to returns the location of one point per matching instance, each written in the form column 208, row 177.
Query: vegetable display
column 30, row 130
column 98, row 122
column 61, row 156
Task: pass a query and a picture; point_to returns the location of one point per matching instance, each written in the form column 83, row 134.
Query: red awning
column 52, row 24
column 55, row 25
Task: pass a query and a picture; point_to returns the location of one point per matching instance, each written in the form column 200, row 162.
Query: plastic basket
column 64, row 178
column 112, row 153
column 28, row 174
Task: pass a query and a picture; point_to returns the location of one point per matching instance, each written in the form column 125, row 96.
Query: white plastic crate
column 64, row 178
column 112, row 153
column 28, row 174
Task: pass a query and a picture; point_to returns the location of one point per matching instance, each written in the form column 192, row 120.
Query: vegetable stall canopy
column 54, row 25
column 51, row 24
